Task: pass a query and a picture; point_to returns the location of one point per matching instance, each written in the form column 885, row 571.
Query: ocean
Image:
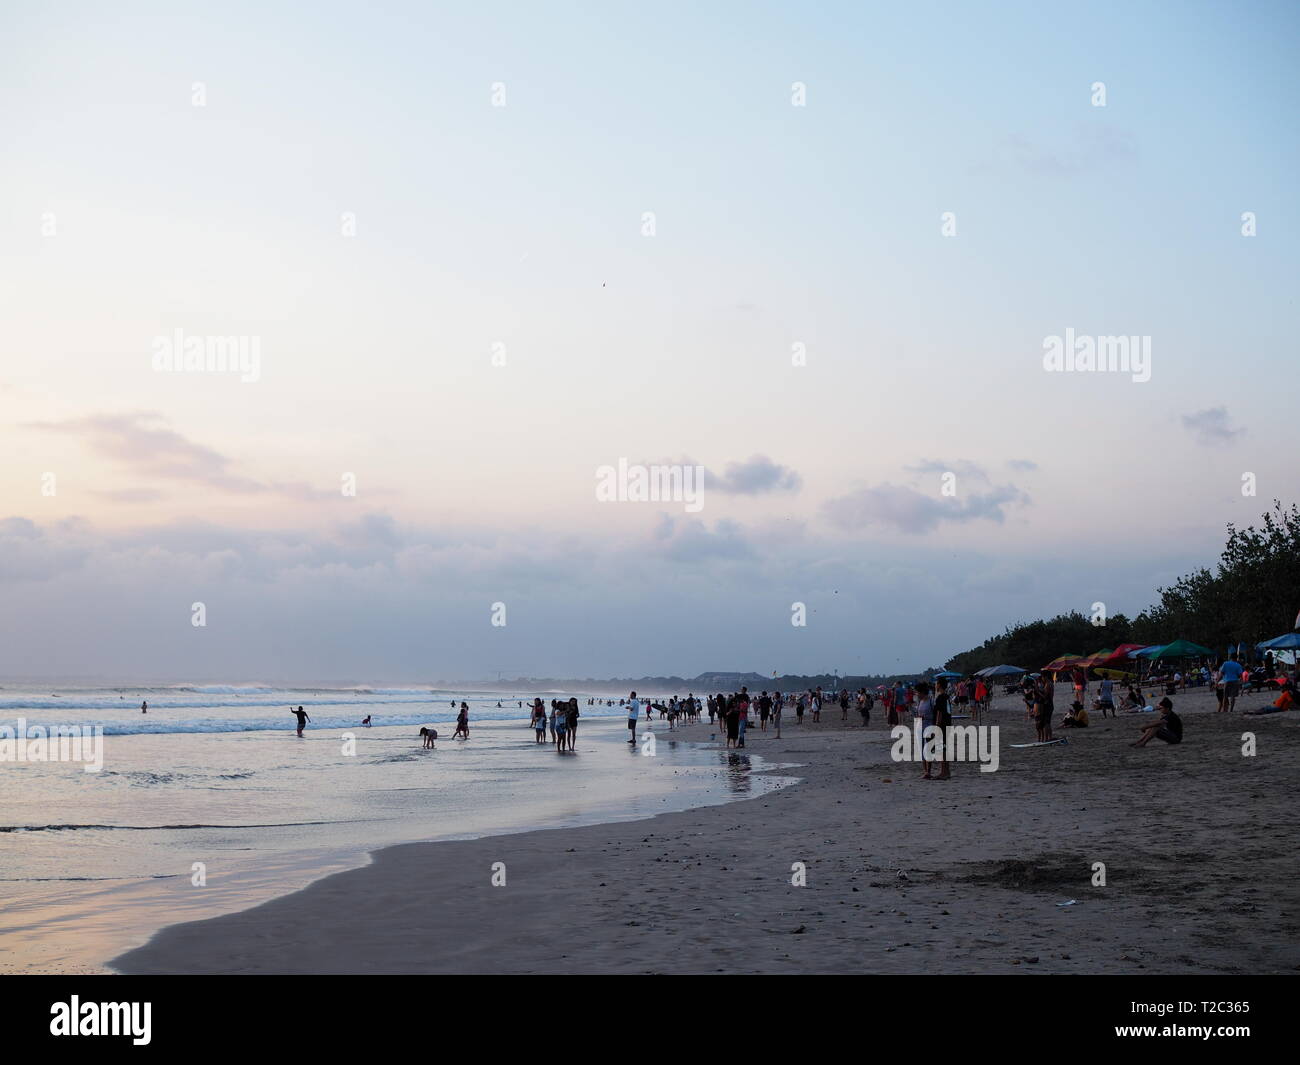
column 210, row 803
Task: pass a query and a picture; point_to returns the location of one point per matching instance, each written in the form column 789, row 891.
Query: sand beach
column 985, row 873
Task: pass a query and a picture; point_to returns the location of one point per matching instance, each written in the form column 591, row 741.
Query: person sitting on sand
column 1132, row 701
column 1076, row 716
column 462, row 723
column 302, row 717
column 1168, row 727
column 428, row 735
column 1283, row 702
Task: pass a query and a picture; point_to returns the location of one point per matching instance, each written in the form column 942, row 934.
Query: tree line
column 1250, row 596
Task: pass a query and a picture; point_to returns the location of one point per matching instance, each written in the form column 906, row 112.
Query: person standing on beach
column 925, row 714
column 539, row 720
column 798, row 709
column 1230, row 675
column 1044, row 705
column 1106, row 697
column 144, row 707
column 764, row 710
column 942, row 721
column 571, row 719
column 302, row 717
column 777, row 704
column 742, row 707
column 462, row 723
column 633, row 712
column 560, row 717
column 733, row 721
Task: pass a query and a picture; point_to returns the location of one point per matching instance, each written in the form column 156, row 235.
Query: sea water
column 210, row 803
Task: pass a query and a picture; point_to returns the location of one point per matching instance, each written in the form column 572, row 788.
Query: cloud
column 132, row 495
column 689, row 540
column 757, row 475
column 146, row 447
column 1090, row 148
column 1211, row 426
column 1023, row 465
column 911, row 511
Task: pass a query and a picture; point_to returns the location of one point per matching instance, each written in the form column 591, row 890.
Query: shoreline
column 902, row 875
column 133, row 877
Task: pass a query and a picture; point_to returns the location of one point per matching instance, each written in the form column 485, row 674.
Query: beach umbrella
column 950, row 675
column 1287, row 642
column 1056, row 665
column 1000, row 671
column 1121, row 655
column 1177, row 649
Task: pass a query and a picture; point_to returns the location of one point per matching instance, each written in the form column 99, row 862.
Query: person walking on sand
column 302, row 717
column 462, row 723
column 633, row 713
column 1230, row 675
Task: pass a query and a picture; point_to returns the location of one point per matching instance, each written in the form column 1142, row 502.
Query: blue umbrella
column 1000, row 671
column 1289, row 642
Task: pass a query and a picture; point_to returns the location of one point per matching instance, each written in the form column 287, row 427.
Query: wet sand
column 902, row 875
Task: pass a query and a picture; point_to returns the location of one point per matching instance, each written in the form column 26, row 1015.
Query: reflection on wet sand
column 737, row 766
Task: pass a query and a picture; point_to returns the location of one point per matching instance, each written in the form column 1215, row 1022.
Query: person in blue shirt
column 1230, row 676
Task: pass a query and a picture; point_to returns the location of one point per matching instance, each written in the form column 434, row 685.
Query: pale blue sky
column 522, row 225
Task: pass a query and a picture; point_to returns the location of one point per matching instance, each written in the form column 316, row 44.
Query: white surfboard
column 1040, row 743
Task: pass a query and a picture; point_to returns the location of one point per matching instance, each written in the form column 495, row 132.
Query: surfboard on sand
column 1041, row 743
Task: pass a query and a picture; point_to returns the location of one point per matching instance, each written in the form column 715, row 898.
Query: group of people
column 561, row 723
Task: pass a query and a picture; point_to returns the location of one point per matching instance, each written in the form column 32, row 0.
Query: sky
column 482, row 251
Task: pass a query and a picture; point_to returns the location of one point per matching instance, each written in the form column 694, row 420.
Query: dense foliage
column 1253, row 595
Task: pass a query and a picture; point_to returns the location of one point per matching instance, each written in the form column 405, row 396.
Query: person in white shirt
column 633, row 712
